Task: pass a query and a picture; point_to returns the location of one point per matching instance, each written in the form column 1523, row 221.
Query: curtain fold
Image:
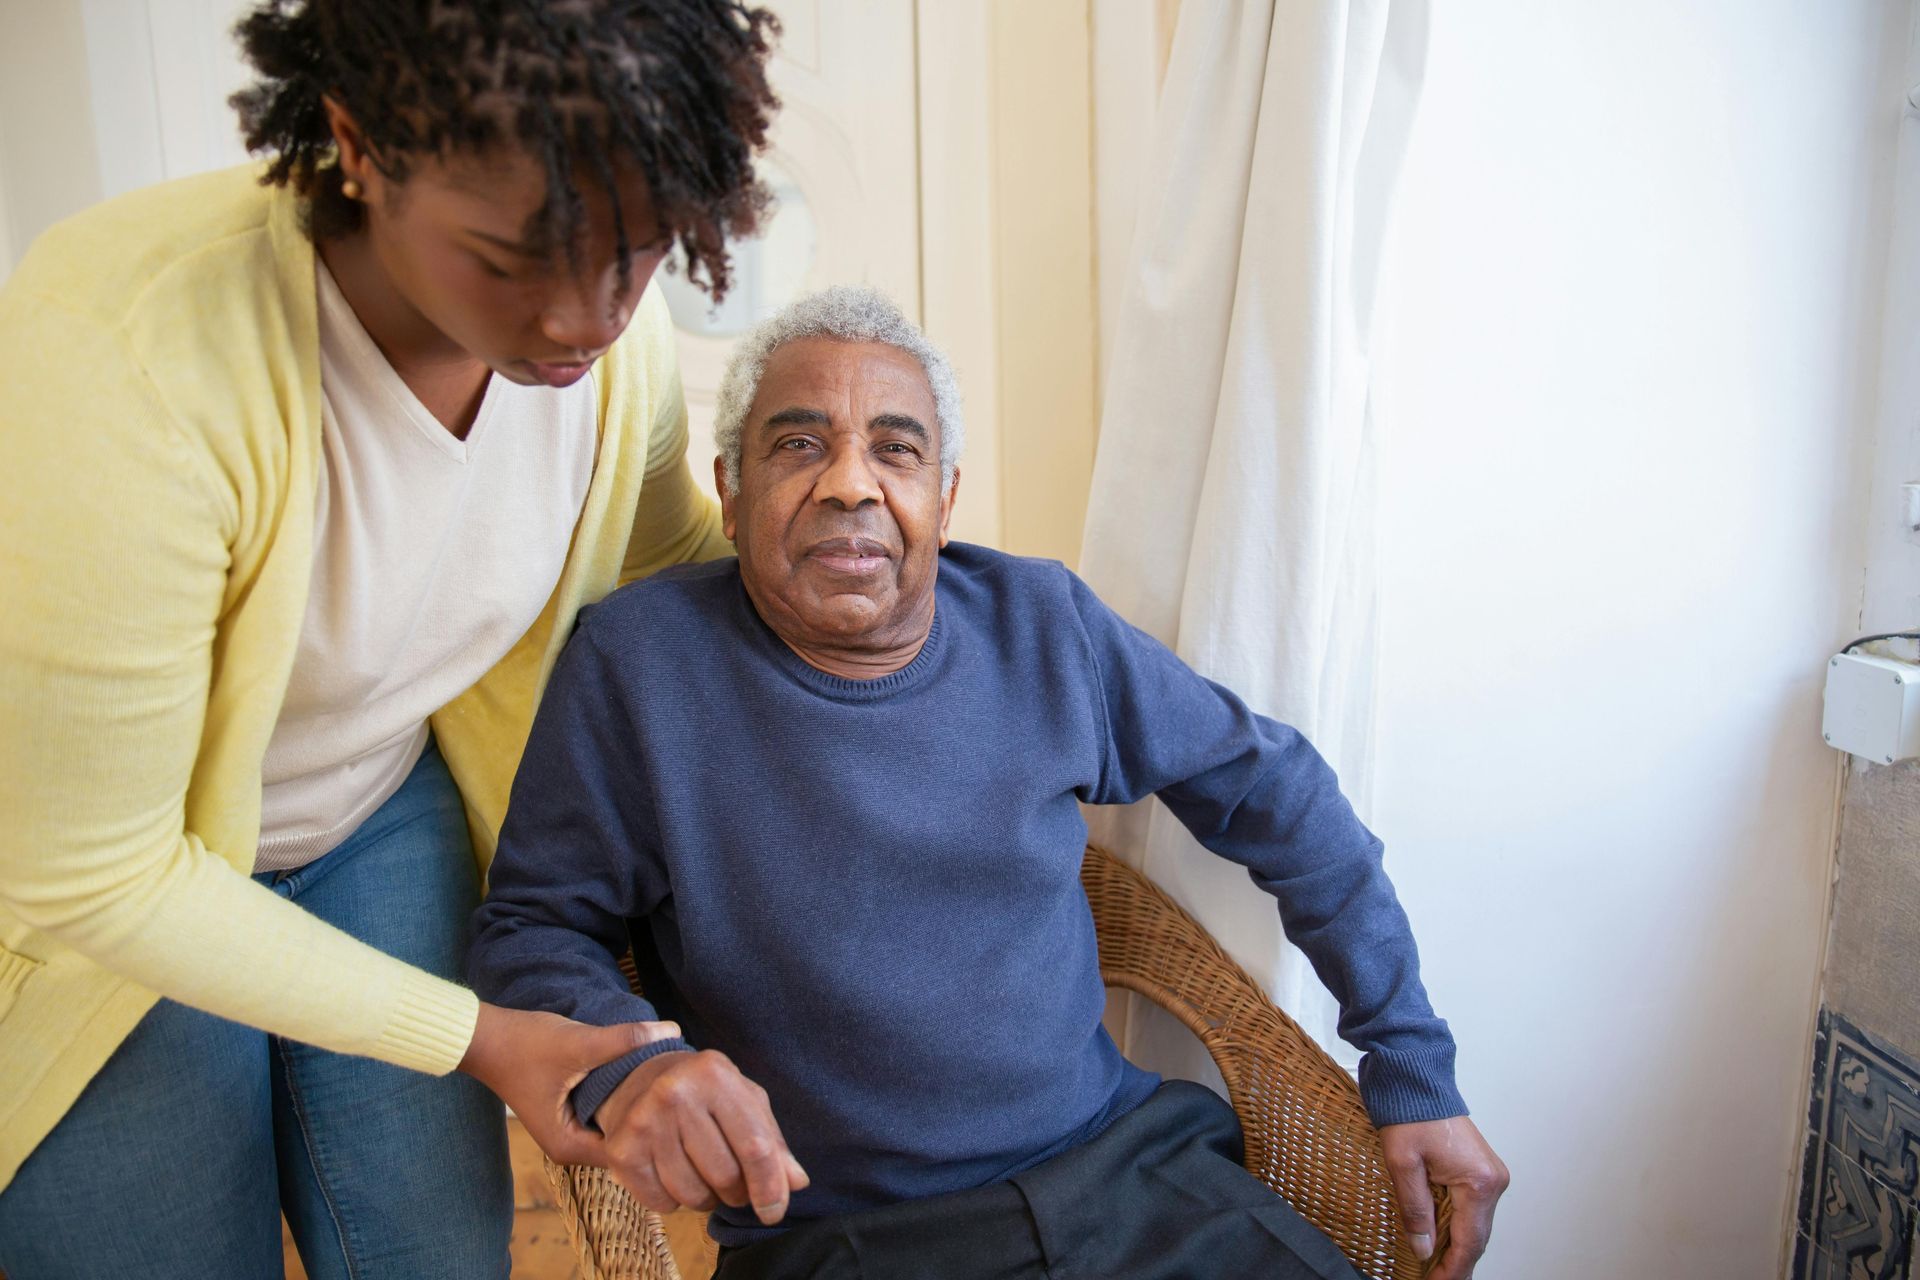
column 1232, row 512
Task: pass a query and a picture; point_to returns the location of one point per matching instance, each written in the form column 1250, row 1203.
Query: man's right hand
column 687, row 1129
column 532, row 1061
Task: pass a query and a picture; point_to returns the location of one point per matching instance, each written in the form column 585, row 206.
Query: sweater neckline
column 841, row 687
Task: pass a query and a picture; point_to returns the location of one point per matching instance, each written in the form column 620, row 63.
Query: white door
column 843, row 162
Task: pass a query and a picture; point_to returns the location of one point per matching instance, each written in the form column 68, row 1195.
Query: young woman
column 303, row 482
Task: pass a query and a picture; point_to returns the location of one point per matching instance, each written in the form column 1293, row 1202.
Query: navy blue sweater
column 866, row 892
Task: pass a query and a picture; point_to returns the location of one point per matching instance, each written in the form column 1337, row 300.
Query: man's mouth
column 852, row 556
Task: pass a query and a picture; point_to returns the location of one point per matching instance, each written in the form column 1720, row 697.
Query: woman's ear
column 356, row 162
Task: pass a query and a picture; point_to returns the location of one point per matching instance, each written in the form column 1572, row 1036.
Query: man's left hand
column 1452, row 1154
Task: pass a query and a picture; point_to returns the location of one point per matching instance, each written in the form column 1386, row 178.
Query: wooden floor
column 541, row 1250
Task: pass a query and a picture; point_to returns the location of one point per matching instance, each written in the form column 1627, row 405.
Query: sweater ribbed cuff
column 602, row 1081
column 1407, row 1086
column 431, row 1026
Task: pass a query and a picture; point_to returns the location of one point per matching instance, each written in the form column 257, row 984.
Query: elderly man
column 831, row 789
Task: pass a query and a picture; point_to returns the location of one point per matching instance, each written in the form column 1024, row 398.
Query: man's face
column 840, row 515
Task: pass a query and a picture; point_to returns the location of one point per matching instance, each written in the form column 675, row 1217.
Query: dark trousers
column 1161, row 1195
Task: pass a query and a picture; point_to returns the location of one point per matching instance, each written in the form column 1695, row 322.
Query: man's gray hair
column 850, row 313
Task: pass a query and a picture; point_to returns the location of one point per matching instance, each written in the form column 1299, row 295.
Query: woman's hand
column 532, row 1061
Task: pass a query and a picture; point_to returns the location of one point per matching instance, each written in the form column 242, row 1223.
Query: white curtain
column 1233, row 504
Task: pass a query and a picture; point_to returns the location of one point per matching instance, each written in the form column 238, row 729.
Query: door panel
column 844, row 149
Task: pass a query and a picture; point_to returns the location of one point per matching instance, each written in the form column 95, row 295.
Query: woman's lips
column 559, row 375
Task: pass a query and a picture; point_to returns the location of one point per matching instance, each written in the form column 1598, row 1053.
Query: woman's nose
column 586, row 319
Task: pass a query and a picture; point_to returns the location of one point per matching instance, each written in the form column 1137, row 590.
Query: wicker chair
column 1307, row 1136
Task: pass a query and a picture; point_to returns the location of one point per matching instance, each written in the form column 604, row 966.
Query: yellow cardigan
column 159, row 445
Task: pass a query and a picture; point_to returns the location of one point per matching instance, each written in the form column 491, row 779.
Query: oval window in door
column 769, row 270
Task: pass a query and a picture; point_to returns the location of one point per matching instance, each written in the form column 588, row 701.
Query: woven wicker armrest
column 613, row 1237
column 1307, row 1134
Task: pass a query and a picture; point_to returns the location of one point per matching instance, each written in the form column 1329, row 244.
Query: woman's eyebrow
column 511, row 246
column 534, row 250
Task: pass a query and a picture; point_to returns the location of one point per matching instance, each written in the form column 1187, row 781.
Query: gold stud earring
column 350, row 189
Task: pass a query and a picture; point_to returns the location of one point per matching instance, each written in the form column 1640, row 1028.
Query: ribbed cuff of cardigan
column 1406, row 1086
column 602, row 1081
column 431, row 1026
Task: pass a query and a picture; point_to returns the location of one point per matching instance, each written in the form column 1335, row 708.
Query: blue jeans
column 181, row 1154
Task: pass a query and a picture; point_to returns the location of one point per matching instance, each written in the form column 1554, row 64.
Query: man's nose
column 848, row 480
column 586, row 316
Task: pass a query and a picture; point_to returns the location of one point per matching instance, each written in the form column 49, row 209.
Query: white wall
column 1128, row 61
column 98, row 97
column 1893, row 545
column 47, row 161
column 160, row 73
column 1631, row 335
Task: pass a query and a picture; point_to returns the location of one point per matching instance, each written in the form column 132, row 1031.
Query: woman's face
column 451, row 241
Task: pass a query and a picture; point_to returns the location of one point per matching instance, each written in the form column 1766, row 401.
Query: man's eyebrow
column 901, row 422
column 796, row 416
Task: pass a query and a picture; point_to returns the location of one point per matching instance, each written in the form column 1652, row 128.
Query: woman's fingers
column 597, row 1046
column 572, row 1143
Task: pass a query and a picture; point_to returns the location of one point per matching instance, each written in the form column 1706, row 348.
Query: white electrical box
column 1873, row 707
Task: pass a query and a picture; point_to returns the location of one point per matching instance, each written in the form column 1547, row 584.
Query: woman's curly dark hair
column 675, row 87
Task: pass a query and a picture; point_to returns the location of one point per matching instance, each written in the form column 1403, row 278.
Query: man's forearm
column 1287, row 822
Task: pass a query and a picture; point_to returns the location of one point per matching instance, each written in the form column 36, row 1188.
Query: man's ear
column 946, row 505
column 727, row 521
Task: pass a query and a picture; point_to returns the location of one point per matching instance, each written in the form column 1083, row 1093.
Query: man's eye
column 795, row 444
column 496, row 272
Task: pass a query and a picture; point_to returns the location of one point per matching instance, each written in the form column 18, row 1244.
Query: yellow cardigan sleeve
column 114, row 566
column 676, row 521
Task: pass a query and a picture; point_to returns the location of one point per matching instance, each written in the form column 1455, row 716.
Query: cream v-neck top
column 432, row 557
